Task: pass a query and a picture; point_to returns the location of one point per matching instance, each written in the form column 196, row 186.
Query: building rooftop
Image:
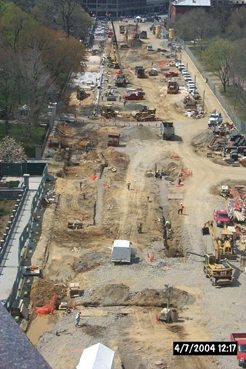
column 191, row 3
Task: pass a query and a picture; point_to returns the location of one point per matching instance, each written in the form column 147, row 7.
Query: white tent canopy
column 96, row 357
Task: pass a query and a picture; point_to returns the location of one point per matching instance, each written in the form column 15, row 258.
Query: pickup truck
column 240, row 338
column 221, row 218
column 215, row 119
column 134, row 96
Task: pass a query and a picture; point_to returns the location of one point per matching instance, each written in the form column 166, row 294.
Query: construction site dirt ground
column 119, row 303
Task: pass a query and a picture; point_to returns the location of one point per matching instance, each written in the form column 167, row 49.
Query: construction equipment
column 140, row 72
column 144, row 114
column 167, row 130
column 172, row 87
column 225, row 192
column 108, row 111
column 122, row 29
column 81, row 94
column 224, row 244
column 135, row 35
column 121, row 79
column 143, row 35
column 74, row 290
column 218, row 270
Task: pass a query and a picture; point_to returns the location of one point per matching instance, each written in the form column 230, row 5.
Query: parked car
column 221, row 218
column 153, row 72
column 149, row 48
column 134, row 96
column 185, row 71
column 171, row 74
column 181, row 67
column 187, row 77
column 195, row 94
column 177, row 62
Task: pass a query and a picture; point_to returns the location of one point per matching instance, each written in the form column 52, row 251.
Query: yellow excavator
column 112, row 61
column 218, row 270
column 225, row 243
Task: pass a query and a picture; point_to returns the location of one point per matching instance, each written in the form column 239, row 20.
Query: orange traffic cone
column 152, row 258
column 148, row 255
column 156, row 318
column 51, row 311
column 74, row 306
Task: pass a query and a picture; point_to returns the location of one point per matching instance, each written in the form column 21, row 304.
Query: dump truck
column 143, row 35
column 240, row 339
column 218, row 270
column 108, row 111
column 81, row 94
column 172, row 87
column 144, row 114
column 74, row 290
column 167, row 130
column 140, row 72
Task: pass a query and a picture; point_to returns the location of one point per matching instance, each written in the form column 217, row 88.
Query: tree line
column 40, row 44
column 221, row 37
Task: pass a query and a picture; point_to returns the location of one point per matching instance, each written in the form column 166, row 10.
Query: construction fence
column 241, row 126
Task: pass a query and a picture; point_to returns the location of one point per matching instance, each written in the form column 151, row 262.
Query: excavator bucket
column 205, row 231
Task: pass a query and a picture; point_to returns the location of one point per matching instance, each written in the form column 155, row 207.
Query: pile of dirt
column 135, row 43
column 203, row 138
column 42, row 292
column 120, row 295
column 141, row 133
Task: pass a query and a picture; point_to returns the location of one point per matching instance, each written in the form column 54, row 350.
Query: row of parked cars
column 189, row 82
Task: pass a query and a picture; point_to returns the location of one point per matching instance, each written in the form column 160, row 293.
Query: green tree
column 218, row 60
column 236, row 29
column 197, row 25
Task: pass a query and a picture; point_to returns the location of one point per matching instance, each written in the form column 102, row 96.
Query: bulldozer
column 81, row 94
column 144, row 114
column 218, row 270
column 172, row 87
column 108, row 111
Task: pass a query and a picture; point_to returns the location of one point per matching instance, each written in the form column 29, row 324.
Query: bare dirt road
column 119, row 303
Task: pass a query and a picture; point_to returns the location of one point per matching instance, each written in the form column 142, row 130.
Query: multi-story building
column 118, row 8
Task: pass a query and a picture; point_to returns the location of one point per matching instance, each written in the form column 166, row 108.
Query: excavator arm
column 209, row 226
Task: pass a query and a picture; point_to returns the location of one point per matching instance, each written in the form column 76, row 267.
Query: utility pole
column 203, row 100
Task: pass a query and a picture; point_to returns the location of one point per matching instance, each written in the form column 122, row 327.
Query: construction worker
column 179, row 181
column 106, row 93
column 124, row 102
column 119, row 98
column 102, row 97
column 94, row 113
column 181, row 207
column 156, row 173
column 163, row 173
column 77, row 319
column 168, row 224
column 128, row 183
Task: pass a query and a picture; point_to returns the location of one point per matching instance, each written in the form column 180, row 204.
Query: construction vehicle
column 172, row 87
column 240, row 340
column 81, row 94
column 143, row 35
column 144, row 114
column 225, row 192
column 140, row 72
column 218, row 270
column 121, row 79
column 122, row 29
column 225, row 244
column 108, row 111
column 167, row 130
column 74, row 290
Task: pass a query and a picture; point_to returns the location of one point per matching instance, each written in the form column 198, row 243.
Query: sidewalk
column 10, row 263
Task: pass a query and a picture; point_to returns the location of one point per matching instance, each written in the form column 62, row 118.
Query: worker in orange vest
column 181, row 207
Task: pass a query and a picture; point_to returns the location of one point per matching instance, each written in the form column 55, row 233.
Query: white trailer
column 122, row 251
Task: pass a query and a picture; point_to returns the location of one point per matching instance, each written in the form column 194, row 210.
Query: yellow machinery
column 172, row 87
column 81, row 94
column 107, row 111
column 218, row 270
column 224, row 244
column 144, row 114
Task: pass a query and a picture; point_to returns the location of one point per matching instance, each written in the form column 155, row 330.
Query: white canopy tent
column 97, row 357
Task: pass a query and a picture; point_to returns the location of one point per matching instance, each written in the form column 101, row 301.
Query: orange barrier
column 47, row 309
column 174, row 157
